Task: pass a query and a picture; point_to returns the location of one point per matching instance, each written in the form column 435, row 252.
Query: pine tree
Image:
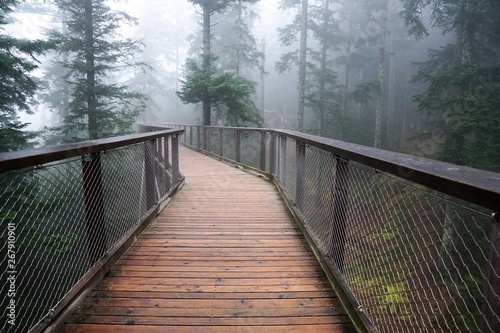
column 17, row 61
column 234, row 42
column 462, row 94
column 324, row 93
column 288, row 36
column 100, row 106
column 204, row 83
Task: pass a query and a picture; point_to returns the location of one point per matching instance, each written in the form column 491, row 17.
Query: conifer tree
column 205, row 82
column 17, row 87
column 100, row 105
column 462, row 77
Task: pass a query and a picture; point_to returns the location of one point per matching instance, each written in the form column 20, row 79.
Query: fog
column 368, row 46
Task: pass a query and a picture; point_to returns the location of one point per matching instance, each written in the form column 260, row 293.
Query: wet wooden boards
column 224, row 256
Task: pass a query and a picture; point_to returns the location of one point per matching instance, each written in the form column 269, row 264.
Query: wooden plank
column 213, row 304
column 183, row 321
column 161, row 267
column 249, row 281
column 215, row 262
column 202, row 274
column 204, row 289
column 89, row 310
column 99, row 294
column 89, row 328
column 225, row 256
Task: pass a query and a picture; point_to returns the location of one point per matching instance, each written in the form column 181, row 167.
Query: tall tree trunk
column 206, row 103
column 90, row 71
column 323, row 66
column 379, row 114
column 238, row 48
column 302, row 65
column 66, row 94
column 263, row 79
column 391, row 112
column 347, row 71
column 177, row 57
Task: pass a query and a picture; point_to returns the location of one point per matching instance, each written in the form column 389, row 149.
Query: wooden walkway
column 224, row 256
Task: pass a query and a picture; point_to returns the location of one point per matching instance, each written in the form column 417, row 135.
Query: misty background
column 371, row 57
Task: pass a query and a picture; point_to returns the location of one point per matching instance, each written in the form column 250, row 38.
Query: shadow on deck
column 224, row 256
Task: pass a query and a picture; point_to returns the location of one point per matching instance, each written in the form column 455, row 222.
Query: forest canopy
column 414, row 76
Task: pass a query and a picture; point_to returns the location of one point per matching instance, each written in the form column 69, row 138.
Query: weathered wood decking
column 224, row 256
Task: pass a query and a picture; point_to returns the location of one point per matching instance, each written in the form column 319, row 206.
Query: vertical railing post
column 198, row 137
column 340, row 188
column 238, row 146
column 491, row 303
column 149, row 170
column 282, row 161
column 94, row 205
column 262, row 159
column 272, row 155
column 166, row 150
column 159, row 168
column 175, row 159
column 301, row 174
column 221, row 142
column 207, row 139
column 191, row 135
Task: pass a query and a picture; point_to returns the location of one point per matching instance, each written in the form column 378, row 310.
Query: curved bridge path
column 224, row 256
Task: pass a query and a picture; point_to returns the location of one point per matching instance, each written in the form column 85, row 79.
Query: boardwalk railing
column 68, row 212
column 412, row 244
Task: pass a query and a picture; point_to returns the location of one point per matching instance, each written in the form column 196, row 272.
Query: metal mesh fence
column 60, row 218
column 415, row 259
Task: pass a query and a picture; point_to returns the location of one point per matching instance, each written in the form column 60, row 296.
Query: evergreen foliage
column 17, row 61
column 206, row 82
column 229, row 95
column 93, row 53
column 461, row 98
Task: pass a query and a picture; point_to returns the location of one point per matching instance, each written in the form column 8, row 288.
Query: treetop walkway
column 135, row 234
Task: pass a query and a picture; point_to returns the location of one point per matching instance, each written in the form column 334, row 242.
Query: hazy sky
column 32, row 27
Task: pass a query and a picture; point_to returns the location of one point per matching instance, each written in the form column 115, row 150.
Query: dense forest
column 416, row 76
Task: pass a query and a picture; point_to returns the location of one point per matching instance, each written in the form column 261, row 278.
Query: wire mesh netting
column 60, row 218
column 415, row 258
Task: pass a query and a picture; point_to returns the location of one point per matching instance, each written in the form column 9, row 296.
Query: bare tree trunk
column 322, row 83
column 381, row 71
column 90, row 71
column 347, row 72
column 391, row 112
column 238, row 49
column 302, row 65
column 263, row 79
column 206, row 103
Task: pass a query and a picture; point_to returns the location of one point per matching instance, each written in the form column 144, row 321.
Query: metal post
column 301, row 174
column 262, row 159
column 198, row 135
column 175, row 159
column 340, row 194
column 191, row 135
column 94, row 205
column 272, row 155
column 159, row 174
column 149, row 170
column 166, row 150
column 491, row 303
column 282, row 163
column 221, row 142
column 238, row 146
column 207, row 139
